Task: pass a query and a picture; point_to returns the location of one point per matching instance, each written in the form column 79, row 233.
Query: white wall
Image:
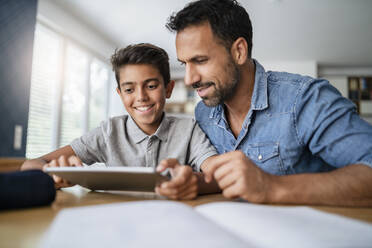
column 308, row 68
column 116, row 106
column 340, row 82
column 62, row 21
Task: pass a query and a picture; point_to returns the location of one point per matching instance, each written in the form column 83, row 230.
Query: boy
column 147, row 136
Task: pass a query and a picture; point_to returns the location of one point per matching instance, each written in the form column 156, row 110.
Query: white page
column 274, row 226
column 137, row 224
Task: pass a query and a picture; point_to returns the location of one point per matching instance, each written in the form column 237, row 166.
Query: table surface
column 26, row 227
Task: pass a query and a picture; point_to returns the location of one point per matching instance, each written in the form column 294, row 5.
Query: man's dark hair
column 227, row 18
column 143, row 53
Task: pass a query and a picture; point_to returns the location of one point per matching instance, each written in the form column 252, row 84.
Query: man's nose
column 191, row 75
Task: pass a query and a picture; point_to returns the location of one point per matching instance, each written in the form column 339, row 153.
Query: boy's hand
column 182, row 186
column 62, row 161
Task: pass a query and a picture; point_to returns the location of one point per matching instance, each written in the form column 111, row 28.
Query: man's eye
column 152, row 86
column 201, row 61
column 182, row 63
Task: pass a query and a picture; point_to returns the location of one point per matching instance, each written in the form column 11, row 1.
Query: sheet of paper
column 274, row 226
column 137, row 224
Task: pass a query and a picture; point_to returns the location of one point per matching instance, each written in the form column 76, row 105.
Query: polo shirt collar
column 138, row 135
column 134, row 131
column 163, row 129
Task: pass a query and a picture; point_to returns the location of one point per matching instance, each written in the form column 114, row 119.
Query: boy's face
column 143, row 93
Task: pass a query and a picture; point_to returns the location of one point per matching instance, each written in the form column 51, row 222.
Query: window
column 44, row 78
column 99, row 78
column 74, row 95
column 69, row 92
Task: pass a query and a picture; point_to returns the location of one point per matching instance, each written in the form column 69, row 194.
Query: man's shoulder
column 203, row 112
column 293, row 85
column 286, row 79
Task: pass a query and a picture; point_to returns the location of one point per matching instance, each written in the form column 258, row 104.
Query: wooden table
column 26, row 227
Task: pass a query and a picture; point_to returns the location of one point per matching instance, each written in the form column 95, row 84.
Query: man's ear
column 169, row 89
column 239, row 51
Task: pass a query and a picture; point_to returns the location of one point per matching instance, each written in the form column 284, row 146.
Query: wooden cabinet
column 10, row 164
column 183, row 99
column 360, row 92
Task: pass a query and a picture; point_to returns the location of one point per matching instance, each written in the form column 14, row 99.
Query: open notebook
column 222, row 224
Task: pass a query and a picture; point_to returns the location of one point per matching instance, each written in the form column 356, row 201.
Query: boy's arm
column 61, row 157
column 38, row 163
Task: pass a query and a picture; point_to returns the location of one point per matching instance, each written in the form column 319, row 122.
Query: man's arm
column 238, row 176
column 347, row 186
column 205, row 187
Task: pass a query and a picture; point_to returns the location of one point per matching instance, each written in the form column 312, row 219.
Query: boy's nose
column 142, row 96
column 191, row 75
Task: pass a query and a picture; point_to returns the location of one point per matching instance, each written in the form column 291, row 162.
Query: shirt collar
column 138, row 135
column 134, row 131
column 259, row 96
column 163, row 129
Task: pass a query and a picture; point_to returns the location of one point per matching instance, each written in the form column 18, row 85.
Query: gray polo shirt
column 120, row 142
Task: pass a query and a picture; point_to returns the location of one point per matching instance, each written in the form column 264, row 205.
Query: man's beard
column 225, row 91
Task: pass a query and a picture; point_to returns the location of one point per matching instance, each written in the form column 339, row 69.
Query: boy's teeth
column 143, row 108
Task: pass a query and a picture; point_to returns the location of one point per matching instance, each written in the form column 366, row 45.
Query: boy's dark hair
column 227, row 18
column 142, row 53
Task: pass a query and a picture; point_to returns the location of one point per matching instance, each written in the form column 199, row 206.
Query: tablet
column 111, row 178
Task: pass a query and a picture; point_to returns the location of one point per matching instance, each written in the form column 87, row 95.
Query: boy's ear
column 118, row 90
column 169, row 89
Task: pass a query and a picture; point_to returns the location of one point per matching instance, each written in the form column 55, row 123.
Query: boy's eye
column 182, row 63
column 128, row 90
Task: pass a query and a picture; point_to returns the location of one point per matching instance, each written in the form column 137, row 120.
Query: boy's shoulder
column 113, row 123
column 179, row 118
column 118, row 119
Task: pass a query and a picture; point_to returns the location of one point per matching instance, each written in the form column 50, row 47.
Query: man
column 284, row 138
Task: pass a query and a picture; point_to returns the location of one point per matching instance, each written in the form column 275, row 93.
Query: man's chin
column 211, row 102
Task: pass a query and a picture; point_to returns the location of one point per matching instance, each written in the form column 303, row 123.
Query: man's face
column 143, row 94
column 210, row 68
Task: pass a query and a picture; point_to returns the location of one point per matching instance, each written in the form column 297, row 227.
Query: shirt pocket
column 266, row 156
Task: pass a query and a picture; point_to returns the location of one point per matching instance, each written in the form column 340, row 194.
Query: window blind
column 44, row 78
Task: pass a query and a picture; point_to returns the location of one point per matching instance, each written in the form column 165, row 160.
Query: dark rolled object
column 22, row 189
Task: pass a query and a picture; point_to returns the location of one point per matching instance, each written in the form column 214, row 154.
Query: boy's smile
column 143, row 93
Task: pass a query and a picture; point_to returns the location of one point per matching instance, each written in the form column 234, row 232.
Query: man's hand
column 238, row 176
column 62, row 161
column 182, row 186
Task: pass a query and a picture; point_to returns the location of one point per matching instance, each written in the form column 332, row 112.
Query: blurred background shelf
column 360, row 92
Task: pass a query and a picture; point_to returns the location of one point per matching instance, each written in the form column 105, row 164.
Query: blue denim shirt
column 296, row 124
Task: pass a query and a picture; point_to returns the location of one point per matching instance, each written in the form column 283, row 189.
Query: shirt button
column 260, row 157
